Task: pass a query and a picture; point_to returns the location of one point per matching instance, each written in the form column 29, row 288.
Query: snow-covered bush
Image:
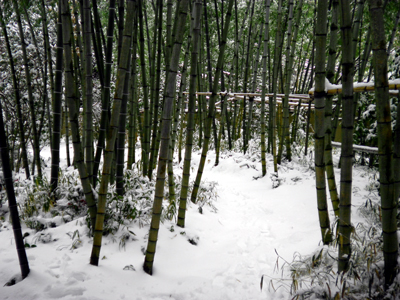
column 40, row 210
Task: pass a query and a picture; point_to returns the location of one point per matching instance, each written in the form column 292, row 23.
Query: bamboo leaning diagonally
column 113, row 131
column 190, row 122
column 211, row 105
column 165, row 137
column 70, row 95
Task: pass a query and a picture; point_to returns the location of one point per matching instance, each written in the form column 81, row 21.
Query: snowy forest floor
column 248, row 232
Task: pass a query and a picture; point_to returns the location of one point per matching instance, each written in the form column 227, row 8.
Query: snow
column 236, row 245
column 328, row 86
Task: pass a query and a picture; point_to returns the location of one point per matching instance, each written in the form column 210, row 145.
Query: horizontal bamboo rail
column 394, row 86
column 232, row 95
column 366, row 149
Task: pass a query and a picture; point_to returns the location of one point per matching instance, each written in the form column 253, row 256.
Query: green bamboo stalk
column 43, row 70
column 57, row 109
column 389, row 196
column 12, row 203
column 264, row 86
column 254, row 83
column 146, row 123
column 246, row 74
column 272, row 102
column 36, row 138
column 236, row 64
column 296, row 121
column 345, row 227
column 285, row 103
column 165, row 138
column 356, row 29
column 319, row 136
column 88, row 103
column 289, row 75
column 330, row 74
column 67, row 133
column 17, row 96
column 99, row 41
column 211, row 105
column 223, row 104
column 120, row 155
column 191, row 110
column 113, row 130
column 156, row 96
column 105, row 103
column 133, row 102
column 74, row 112
column 177, row 116
column 47, row 47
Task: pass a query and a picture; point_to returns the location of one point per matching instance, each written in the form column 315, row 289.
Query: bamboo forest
column 199, row 149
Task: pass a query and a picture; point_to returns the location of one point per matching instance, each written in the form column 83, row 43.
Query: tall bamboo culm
column 211, row 105
column 123, row 68
column 71, row 97
column 345, row 227
column 165, row 138
column 57, row 107
column 330, row 74
column 389, row 198
column 196, row 12
column 319, row 100
column 264, row 86
column 12, row 202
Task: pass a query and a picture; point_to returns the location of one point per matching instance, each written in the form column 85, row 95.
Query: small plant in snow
column 136, row 205
column 71, row 202
column 207, row 195
column 33, row 200
column 276, row 181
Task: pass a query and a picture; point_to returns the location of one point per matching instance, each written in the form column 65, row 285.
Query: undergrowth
column 315, row 276
column 40, row 210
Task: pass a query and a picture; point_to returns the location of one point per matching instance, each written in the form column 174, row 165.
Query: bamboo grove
column 113, row 77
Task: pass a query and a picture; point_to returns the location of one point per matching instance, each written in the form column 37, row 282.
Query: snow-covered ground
column 236, row 245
